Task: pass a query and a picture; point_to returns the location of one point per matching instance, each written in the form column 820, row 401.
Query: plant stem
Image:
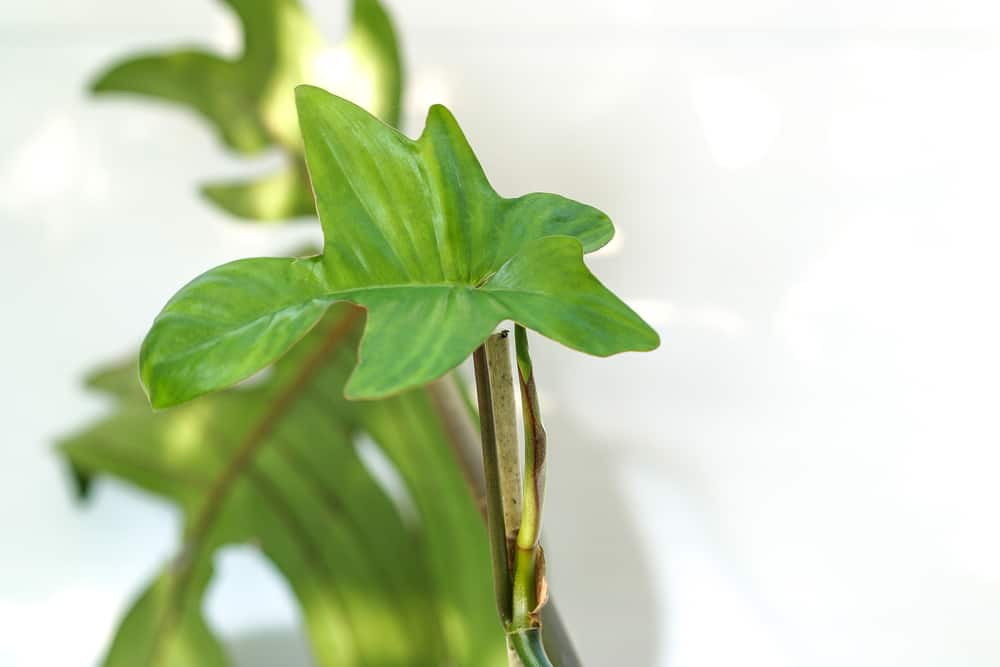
column 508, row 444
column 494, row 501
column 460, row 416
column 526, row 579
column 528, row 644
column 521, row 597
column 505, row 428
column 529, row 589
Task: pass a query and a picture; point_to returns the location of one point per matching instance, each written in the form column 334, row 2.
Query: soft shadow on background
column 592, row 538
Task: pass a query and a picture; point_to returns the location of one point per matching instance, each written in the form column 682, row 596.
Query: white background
column 804, row 474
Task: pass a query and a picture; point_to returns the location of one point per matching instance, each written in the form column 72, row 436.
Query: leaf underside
column 272, row 463
column 415, row 234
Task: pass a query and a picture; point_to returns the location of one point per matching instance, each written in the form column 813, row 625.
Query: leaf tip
column 159, row 393
column 222, row 195
column 81, row 478
column 652, row 341
column 82, row 481
column 114, row 78
column 646, row 338
column 439, row 110
column 162, row 394
column 604, row 231
column 308, row 96
column 440, row 116
column 304, row 91
column 157, row 399
column 102, row 83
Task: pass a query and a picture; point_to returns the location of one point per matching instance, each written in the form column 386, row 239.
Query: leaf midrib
column 329, row 298
column 217, row 494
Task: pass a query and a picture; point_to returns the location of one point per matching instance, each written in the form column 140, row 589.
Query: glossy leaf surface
column 417, row 236
column 273, row 463
column 250, row 101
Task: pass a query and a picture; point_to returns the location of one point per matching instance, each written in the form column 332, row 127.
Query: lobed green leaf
column 416, row 235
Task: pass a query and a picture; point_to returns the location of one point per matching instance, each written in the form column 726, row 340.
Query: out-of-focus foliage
column 273, row 463
column 250, row 100
column 416, row 234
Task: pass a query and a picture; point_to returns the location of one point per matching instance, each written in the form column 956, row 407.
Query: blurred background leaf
column 275, row 463
column 250, row 100
column 381, row 578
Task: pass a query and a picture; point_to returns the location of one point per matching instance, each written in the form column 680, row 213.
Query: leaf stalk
column 494, row 499
column 527, row 581
column 528, row 645
column 518, row 576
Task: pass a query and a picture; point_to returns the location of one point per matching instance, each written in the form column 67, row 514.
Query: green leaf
column 417, row 236
column 279, row 196
column 247, row 99
column 166, row 627
column 272, row 463
column 250, row 100
column 83, row 482
column 208, row 84
column 375, row 49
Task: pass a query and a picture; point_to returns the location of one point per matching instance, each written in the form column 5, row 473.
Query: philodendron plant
column 416, row 236
column 421, row 261
column 280, row 464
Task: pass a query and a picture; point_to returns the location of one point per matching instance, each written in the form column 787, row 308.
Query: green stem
column 517, row 597
column 461, row 416
column 525, row 584
column 526, row 579
column 505, row 428
column 525, row 627
column 528, row 645
column 494, row 500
